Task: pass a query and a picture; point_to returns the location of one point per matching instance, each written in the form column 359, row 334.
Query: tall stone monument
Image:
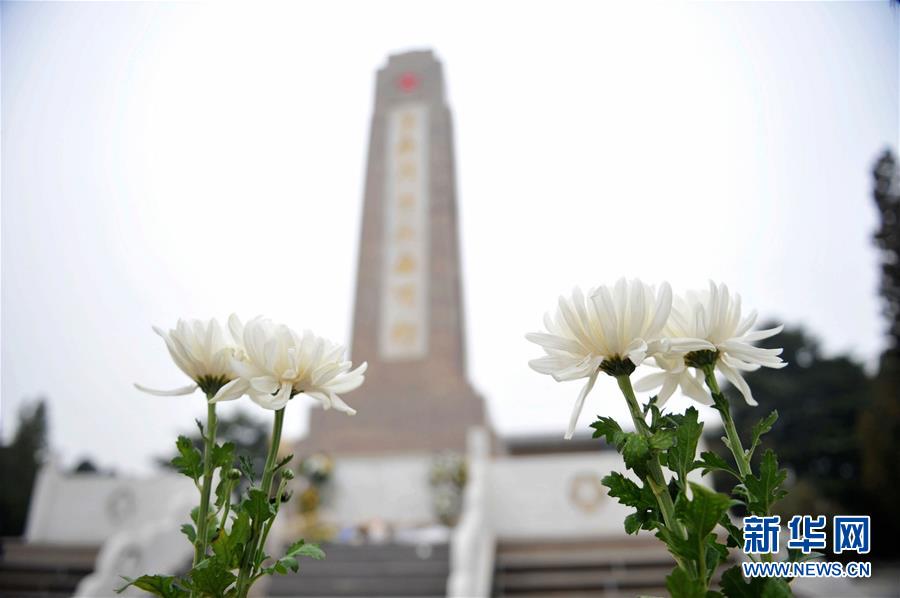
column 408, row 321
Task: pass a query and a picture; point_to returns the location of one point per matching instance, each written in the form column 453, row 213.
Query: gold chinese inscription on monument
column 403, row 333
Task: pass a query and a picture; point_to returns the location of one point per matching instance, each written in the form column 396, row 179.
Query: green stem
column 656, row 479
column 731, row 434
column 269, row 470
column 246, row 576
column 227, row 506
column 209, row 441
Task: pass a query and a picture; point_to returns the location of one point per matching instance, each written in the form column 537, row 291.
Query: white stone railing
column 472, row 542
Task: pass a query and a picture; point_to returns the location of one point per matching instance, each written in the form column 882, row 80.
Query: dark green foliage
column 189, row 460
column 223, row 455
column 680, row 457
column 190, row 531
column 879, row 423
column 682, row 585
column 711, row 462
column 692, row 528
column 234, row 556
column 608, row 429
column 818, row 402
column 636, row 452
column 825, row 422
column 759, row 428
column 289, row 560
column 229, row 545
column 704, row 510
column 20, row 461
column 257, row 506
column 211, row 576
column 762, row 491
column 158, row 585
column 672, row 440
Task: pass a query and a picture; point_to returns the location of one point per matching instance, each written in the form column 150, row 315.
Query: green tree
column 819, row 400
column 879, row 425
column 20, row 461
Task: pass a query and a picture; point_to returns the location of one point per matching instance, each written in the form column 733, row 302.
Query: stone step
column 582, row 558
column 13, row 550
column 623, row 566
column 659, row 592
column 632, row 579
column 39, row 580
column 328, row 568
column 43, row 570
column 386, row 552
column 369, row 570
column 29, row 593
column 302, row 585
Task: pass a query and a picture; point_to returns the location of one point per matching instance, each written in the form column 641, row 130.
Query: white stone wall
column 554, row 496
column 392, row 488
column 88, row 508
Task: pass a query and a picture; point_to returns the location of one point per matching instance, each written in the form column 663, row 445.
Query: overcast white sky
column 161, row 160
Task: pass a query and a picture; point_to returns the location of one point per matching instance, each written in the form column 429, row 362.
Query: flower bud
column 234, row 474
column 287, row 474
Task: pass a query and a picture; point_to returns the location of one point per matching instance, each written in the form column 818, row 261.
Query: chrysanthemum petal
column 579, row 404
column 175, row 392
column 738, row 381
column 231, row 391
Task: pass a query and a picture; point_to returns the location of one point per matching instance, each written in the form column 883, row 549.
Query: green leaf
column 223, row 491
column 761, row 427
column 655, row 416
column 289, row 561
column 662, row 440
column 704, row 510
column 158, row 585
column 212, row 576
column 628, row 492
column 257, row 506
column 710, row 461
column 734, row 586
column 301, row 548
column 682, row 585
column 633, row 523
column 608, row 428
column 190, row 531
column 247, row 467
column 795, row 555
column 699, row 516
column 681, row 456
column 735, row 534
column 223, row 455
column 636, row 452
column 716, row 554
column 632, row 495
column 284, row 461
column 229, row 546
column 762, row 491
column 189, row 460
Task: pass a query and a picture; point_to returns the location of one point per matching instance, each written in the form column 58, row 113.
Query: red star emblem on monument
column 408, row 82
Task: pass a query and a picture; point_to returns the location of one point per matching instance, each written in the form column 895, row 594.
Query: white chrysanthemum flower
column 715, row 316
column 613, row 329
column 201, row 350
column 278, row 363
column 675, row 374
